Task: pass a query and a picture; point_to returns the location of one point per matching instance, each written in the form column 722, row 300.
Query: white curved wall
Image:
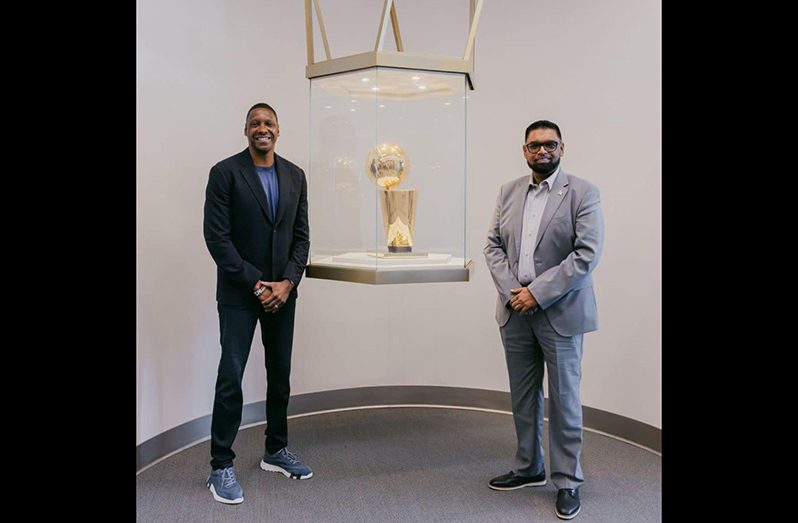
column 592, row 67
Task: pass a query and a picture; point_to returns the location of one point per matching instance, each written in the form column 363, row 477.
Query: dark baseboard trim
column 198, row 430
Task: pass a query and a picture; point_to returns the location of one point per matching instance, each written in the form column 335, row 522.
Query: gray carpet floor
column 400, row 464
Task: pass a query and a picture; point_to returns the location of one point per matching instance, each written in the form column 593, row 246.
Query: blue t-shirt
column 268, row 179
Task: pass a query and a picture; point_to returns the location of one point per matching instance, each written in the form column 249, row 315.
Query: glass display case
column 387, row 176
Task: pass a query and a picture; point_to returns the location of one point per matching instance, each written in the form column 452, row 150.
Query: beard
column 544, row 169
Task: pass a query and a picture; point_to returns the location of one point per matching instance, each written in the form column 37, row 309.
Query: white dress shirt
column 536, row 198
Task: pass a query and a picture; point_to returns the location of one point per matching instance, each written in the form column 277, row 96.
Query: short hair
column 261, row 105
column 542, row 124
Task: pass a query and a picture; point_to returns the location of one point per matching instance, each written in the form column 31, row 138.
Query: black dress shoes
column 568, row 503
column 510, row 481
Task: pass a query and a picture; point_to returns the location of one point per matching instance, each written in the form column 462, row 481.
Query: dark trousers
column 236, row 329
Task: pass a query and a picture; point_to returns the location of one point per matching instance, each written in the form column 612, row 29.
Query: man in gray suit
column 544, row 241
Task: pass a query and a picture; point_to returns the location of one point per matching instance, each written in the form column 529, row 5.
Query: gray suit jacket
column 568, row 248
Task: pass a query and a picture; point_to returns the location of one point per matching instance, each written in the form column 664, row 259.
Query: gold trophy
column 387, row 165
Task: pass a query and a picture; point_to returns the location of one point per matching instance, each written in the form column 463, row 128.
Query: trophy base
column 394, row 248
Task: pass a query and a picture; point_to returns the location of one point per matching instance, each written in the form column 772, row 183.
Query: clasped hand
column 276, row 294
column 522, row 300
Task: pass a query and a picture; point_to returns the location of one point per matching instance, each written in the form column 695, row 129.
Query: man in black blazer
column 256, row 229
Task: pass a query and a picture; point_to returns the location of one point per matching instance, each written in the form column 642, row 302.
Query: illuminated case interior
column 387, row 177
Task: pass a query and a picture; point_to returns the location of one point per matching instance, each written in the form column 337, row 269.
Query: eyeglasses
column 550, row 147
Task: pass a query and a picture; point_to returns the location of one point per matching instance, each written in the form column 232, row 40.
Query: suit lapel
column 556, row 197
column 251, row 177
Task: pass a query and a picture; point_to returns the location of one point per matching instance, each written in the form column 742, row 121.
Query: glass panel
column 387, row 174
column 423, row 112
column 341, row 199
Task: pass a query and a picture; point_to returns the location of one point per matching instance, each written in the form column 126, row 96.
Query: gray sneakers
column 224, row 486
column 287, row 463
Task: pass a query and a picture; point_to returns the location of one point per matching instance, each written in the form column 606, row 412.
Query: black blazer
column 245, row 243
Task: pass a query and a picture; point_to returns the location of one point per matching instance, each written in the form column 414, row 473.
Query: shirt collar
column 548, row 182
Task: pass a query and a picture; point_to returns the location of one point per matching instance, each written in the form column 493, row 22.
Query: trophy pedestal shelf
column 365, row 267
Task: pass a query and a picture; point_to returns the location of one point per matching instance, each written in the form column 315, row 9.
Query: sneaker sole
column 226, row 501
column 534, row 484
column 274, row 468
column 572, row 516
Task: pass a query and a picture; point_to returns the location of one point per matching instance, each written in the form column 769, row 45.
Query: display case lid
column 400, row 60
column 383, row 58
